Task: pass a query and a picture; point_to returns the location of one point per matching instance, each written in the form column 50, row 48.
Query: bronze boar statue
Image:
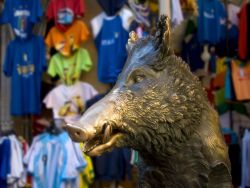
column 159, row 108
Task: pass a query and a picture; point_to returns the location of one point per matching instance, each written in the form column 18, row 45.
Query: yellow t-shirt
column 66, row 43
column 88, row 175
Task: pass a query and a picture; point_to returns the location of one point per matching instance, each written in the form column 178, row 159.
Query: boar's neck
column 186, row 164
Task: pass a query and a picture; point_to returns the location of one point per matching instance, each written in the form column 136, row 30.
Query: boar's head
column 155, row 104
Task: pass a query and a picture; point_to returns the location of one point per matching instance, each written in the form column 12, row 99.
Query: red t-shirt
column 243, row 32
column 63, row 12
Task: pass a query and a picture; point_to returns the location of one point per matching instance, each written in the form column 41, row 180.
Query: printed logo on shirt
column 209, row 15
column 19, row 13
column 65, row 16
column 73, row 107
column 25, row 70
column 107, row 42
column 116, row 34
column 22, row 16
column 60, row 45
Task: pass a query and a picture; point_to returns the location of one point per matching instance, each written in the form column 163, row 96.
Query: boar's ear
column 162, row 36
column 132, row 40
column 162, row 43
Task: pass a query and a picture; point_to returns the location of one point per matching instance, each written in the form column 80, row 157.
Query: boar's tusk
column 107, row 133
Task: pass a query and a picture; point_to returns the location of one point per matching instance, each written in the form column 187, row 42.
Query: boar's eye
column 139, row 78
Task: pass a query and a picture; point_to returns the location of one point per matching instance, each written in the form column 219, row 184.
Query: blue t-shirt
column 4, row 161
column 191, row 53
column 212, row 16
column 54, row 161
column 21, row 14
column 111, row 35
column 24, row 63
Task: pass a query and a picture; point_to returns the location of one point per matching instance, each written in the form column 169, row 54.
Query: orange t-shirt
column 241, row 81
column 66, row 43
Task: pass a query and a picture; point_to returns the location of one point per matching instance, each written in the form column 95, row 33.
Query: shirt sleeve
column 80, row 8
column 81, row 161
column 52, row 67
column 36, row 11
column 4, row 16
column 50, row 12
column 127, row 18
column 87, row 63
column 42, row 51
column 96, row 24
column 49, row 38
column 50, row 100
column 84, row 32
column 93, row 91
column 8, row 62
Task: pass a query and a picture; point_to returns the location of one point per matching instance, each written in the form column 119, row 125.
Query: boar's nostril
column 77, row 134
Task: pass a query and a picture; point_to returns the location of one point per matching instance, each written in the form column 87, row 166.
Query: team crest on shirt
column 116, row 34
column 26, row 69
column 73, row 107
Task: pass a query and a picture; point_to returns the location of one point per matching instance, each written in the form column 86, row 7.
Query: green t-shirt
column 69, row 68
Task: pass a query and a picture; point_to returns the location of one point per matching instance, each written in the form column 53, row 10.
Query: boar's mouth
column 102, row 141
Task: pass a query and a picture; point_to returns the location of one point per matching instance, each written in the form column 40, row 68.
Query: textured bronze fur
column 159, row 108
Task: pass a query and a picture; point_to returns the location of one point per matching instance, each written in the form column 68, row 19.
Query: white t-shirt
column 233, row 11
column 68, row 102
column 177, row 15
column 165, row 7
column 16, row 164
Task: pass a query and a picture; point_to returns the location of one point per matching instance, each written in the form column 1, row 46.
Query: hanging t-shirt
column 191, row 53
column 111, row 35
column 69, row 68
column 241, row 80
column 232, row 47
column 54, row 161
column 68, row 102
column 24, row 63
column 233, row 12
column 5, row 151
column 177, row 15
column 63, row 12
column 66, row 43
column 16, row 163
column 212, row 15
column 21, row 15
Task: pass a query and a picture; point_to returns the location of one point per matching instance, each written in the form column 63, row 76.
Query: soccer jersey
column 111, row 35
column 21, row 15
column 69, row 68
column 63, row 12
column 54, row 161
column 24, row 63
column 68, row 102
column 212, row 16
column 69, row 41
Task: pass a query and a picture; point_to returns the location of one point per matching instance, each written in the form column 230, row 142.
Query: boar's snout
column 76, row 133
column 97, row 128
